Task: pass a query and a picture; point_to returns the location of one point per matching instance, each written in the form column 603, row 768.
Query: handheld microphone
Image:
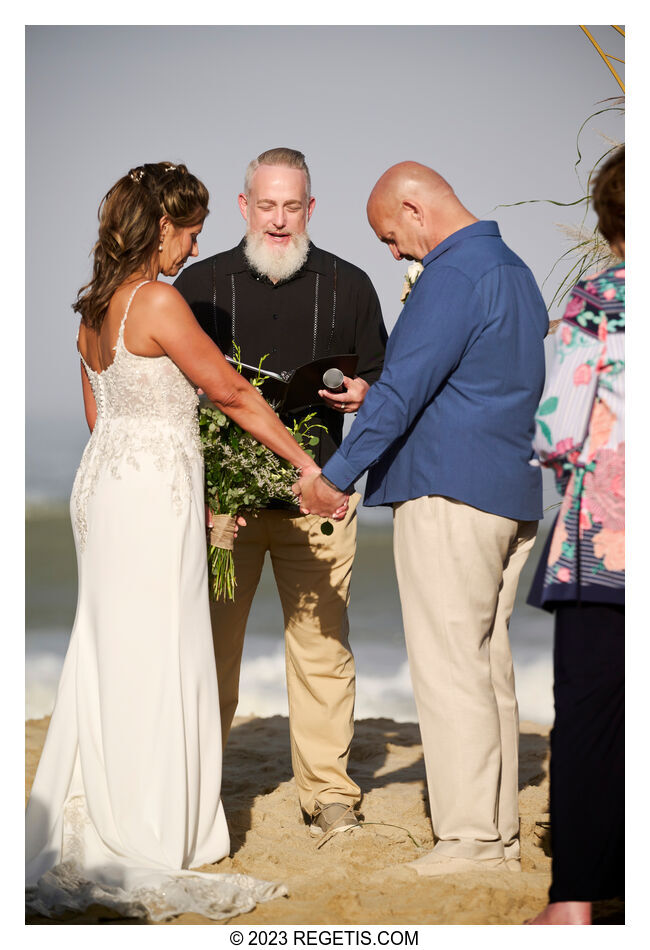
column 333, row 380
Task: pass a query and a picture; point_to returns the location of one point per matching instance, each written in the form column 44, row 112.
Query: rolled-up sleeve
column 562, row 418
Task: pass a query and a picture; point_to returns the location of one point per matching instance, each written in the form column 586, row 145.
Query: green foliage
column 545, row 431
column 241, row 473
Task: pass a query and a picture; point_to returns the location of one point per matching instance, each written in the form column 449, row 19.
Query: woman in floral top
column 580, row 435
column 581, row 576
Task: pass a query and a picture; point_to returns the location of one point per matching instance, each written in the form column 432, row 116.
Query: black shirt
column 329, row 307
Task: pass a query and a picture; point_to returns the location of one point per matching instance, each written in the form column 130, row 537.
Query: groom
column 445, row 435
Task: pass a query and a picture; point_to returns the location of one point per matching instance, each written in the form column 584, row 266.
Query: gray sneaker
column 332, row 818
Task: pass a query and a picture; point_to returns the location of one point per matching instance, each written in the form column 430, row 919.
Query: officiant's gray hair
column 289, row 157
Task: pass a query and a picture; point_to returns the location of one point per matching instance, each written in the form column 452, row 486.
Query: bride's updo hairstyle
column 129, row 229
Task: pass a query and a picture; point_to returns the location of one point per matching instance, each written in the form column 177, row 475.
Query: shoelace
column 321, row 811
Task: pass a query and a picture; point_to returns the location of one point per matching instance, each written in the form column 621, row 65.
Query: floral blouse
column 580, row 434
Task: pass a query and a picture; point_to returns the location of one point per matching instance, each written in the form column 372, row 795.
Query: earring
column 160, row 246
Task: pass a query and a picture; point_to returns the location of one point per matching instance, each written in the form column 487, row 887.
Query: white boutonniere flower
column 411, row 275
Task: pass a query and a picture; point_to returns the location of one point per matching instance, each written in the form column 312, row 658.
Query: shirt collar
column 317, row 262
column 477, row 229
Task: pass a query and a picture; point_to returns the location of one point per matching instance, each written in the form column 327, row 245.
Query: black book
column 297, row 389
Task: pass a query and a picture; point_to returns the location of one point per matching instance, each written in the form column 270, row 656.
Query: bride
column 126, row 799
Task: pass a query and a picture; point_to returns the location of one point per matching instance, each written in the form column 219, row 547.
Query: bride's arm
column 173, row 326
column 90, row 406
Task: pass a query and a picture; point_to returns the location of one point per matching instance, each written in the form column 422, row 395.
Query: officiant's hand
column 319, row 497
column 349, row 401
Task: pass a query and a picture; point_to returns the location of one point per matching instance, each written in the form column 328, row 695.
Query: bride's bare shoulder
column 158, row 296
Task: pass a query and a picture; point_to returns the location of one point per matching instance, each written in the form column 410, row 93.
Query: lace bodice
column 145, row 388
column 144, row 404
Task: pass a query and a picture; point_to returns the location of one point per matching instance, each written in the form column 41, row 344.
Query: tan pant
column 457, row 570
column 312, row 573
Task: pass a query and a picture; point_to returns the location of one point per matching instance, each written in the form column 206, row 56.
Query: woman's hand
column 240, row 521
column 318, row 497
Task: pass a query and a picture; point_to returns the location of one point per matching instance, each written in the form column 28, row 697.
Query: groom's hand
column 318, row 496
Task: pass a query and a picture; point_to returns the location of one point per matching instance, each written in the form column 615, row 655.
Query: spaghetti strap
column 88, row 369
column 120, row 334
column 81, row 356
column 128, row 307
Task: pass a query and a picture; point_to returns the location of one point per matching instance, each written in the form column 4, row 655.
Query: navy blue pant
column 587, row 753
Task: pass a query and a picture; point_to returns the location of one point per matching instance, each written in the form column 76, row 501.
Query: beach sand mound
column 358, row 877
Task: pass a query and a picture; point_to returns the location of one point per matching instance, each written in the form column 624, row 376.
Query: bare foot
column 564, row 912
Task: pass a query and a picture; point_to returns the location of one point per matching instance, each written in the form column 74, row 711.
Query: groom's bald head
column 412, row 209
column 407, row 180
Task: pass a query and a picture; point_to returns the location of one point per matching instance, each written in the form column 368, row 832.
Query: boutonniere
column 411, row 275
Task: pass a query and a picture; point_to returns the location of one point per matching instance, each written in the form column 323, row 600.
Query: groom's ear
column 243, row 205
column 413, row 211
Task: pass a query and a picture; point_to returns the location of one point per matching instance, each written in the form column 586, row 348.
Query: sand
column 357, row 878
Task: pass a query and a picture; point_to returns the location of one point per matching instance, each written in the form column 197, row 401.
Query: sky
column 495, row 109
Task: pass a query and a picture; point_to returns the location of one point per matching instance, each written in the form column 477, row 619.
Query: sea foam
column 383, row 679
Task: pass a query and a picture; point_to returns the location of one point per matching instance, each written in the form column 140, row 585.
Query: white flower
column 413, row 272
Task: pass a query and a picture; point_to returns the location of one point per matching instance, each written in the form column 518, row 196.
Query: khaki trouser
column 312, row 573
column 457, row 570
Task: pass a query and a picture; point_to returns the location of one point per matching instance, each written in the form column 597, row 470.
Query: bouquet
column 241, row 473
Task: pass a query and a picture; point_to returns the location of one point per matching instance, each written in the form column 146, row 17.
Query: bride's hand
column 318, row 497
column 240, row 521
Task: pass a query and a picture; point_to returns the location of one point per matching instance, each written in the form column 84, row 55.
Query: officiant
column 277, row 295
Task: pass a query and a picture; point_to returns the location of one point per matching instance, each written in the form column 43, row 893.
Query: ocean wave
column 383, row 679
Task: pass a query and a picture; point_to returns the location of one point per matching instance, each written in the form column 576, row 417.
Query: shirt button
column 276, row 316
column 274, row 350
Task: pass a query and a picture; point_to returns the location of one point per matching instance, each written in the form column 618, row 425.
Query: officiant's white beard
column 276, row 263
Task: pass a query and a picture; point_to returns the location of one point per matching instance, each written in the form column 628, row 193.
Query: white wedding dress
column 126, row 797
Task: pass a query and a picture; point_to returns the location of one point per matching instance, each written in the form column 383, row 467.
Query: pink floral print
column 602, row 329
column 580, row 435
column 582, row 375
column 564, row 445
column 610, row 546
column 601, row 426
column 605, row 487
column 575, row 306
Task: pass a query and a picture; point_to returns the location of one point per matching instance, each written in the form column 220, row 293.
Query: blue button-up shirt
column 453, row 410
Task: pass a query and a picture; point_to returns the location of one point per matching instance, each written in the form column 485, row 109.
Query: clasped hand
column 316, row 497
